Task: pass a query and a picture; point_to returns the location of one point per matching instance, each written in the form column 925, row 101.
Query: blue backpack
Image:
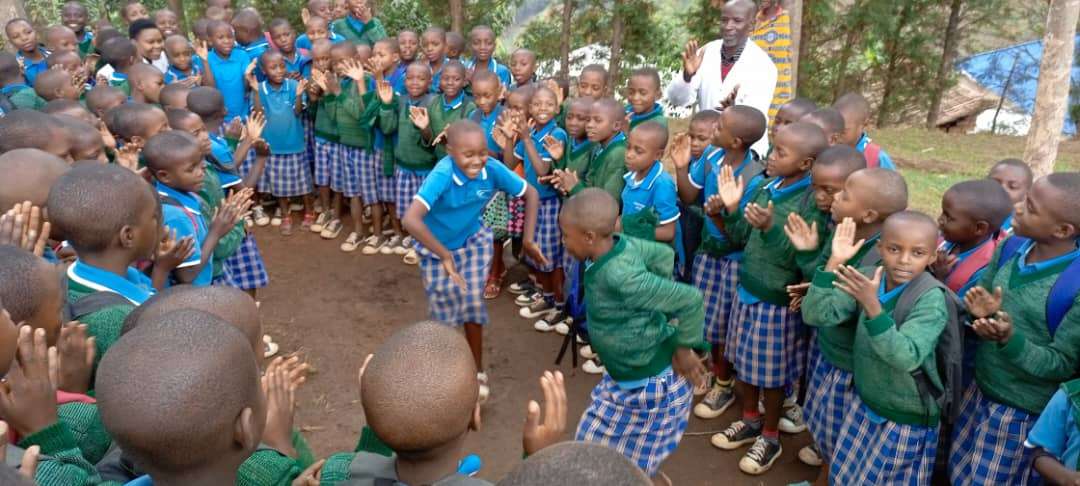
column 1062, row 294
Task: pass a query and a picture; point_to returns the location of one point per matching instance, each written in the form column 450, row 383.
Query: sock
column 752, row 419
column 771, row 435
column 728, row 383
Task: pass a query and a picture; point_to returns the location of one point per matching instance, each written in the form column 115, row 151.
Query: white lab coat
column 754, row 73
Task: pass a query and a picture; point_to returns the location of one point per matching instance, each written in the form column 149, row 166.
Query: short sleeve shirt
column 455, row 202
column 1056, row 431
column 229, row 79
column 538, row 134
column 187, row 221
column 284, row 130
column 657, row 191
column 703, row 176
column 173, row 75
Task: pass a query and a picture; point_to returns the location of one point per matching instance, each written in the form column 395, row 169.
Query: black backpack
column 91, row 303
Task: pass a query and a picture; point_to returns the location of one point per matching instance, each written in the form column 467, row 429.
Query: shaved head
column 592, row 209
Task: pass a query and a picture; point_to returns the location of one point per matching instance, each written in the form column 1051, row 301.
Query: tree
column 181, row 19
column 615, row 66
column 457, row 15
column 564, row 40
column 11, row 9
column 1051, row 99
column 952, row 36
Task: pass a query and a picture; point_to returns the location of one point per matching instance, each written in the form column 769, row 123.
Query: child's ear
column 870, row 216
column 127, row 236
column 246, row 432
column 739, row 143
column 1065, row 231
column 474, row 424
column 162, row 176
column 982, row 228
column 807, row 163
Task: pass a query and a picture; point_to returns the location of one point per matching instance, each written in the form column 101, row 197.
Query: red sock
column 770, row 433
column 752, row 415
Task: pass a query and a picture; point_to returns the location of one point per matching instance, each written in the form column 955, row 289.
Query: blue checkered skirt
column 263, row 185
column 370, row 168
column 716, row 278
column 406, row 185
column 764, row 353
column 309, row 138
column 447, row 302
column 872, row 450
column 644, row 424
column 345, row 171
column 988, row 443
column 290, row 175
column 828, row 400
column 548, row 236
column 729, row 290
column 245, row 268
column 326, row 153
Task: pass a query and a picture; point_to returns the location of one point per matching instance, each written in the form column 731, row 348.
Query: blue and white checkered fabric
column 764, row 352
column 548, row 236
column 988, row 443
column 872, row 450
column 447, row 302
column 245, row 269
column 716, row 280
column 345, row 171
column 309, row 139
column 325, row 155
column 386, row 185
column 368, row 171
column 245, row 166
column 289, row 174
column 828, row 401
column 644, row 424
column 406, row 185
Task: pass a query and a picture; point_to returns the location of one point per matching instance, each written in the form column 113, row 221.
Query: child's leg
column 377, row 219
column 474, row 335
column 558, row 281
column 748, row 399
column 356, row 213
column 395, row 223
column 324, row 200
column 774, row 401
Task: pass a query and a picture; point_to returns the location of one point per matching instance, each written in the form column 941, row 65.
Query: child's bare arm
column 262, row 154
column 665, row 232
column 298, row 104
column 228, row 214
column 1054, row 472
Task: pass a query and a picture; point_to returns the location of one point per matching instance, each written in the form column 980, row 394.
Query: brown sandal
column 493, row 288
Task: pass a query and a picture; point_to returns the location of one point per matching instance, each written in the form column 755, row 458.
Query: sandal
column 493, row 288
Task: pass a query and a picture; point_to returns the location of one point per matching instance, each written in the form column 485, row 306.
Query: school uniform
column 182, row 212
column 1056, row 431
column 358, row 31
column 965, row 274
column 397, row 79
column 500, row 70
column 607, row 165
column 874, row 154
column 105, row 324
column 356, row 169
column 237, row 264
column 298, row 64
column 173, row 74
column 649, row 203
column 363, row 468
column 161, row 63
column 229, row 79
column 303, row 43
column 443, row 112
column 23, row 96
column 765, row 353
column 1015, row 380
column 32, row 68
column 548, row 236
column 86, row 43
column 80, row 413
column 327, row 147
column 454, row 204
column 655, row 114
column 640, row 407
column 436, row 76
column 255, row 48
column 288, row 173
column 213, row 194
column 413, row 157
column 60, row 462
column 116, row 79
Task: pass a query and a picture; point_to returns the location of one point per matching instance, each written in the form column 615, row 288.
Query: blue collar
column 460, row 178
column 616, row 138
column 415, row 102
column 948, row 247
column 42, row 50
column 88, row 35
column 885, row 297
column 143, row 480
column 492, row 64
column 711, row 154
column 118, row 76
column 863, row 140
column 132, row 286
column 178, row 74
column 355, row 23
column 266, row 87
column 775, row 189
column 635, row 117
column 253, row 45
column 12, row 87
column 189, row 200
column 540, row 132
column 454, row 103
column 649, row 179
column 576, row 145
column 491, row 117
column 1027, row 268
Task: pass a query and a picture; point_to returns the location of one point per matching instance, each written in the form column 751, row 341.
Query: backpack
column 6, row 106
column 872, row 154
column 367, row 469
column 1062, row 294
column 91, row 303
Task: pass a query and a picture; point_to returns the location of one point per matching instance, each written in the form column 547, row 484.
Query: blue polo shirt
column 229, row 79
column 500, row 70
column 1029, row 268
column 173, row 75
column 297, row 64
column 636, row 117
column 397, row 79
column 284, row 131
column 134, row 286
column 32, row 68
column 187, row 220
column 436, row 76
column 455, row 202
column 884, row 161
column 547, row 191
column 703, row 174
column 221, row 151
column 657, row 190
column 487, row 122
column 302, row 41
column 256, row 48
column 1056, row 431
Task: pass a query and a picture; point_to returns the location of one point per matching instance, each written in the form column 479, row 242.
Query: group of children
column 795, row 283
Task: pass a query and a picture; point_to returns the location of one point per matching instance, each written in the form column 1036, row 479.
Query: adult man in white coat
column 730, row 70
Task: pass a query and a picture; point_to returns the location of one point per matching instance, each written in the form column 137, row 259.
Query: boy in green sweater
column 643, row 325
column 1030, row 332
column 765, row 354
column 607, row 162
column 642, row 92
column 451, row 105
column 359, row 25
column 890, row 433
column 13, row 84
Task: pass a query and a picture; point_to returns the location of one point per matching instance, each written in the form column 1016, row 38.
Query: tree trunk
column 614, row 67
column 892, row 50
column 795, row 12
column 457, row 16
column 1053, row 92
column 806, row 36
column 178, row 7
column 952, row 38
column 564, row 40
column 11, row 9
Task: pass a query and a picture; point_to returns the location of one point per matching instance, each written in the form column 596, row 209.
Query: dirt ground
column 335, row 308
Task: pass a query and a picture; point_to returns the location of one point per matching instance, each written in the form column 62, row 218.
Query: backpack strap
column 91, row 303
column 964, row 270
column 1062, row 296
column 1009, row 248
column 871, row 258
column 171, row 201
column 872, row 154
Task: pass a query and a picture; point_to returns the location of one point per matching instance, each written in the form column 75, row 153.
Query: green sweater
column 65, row 465
column 886, row 354
column 722, row 247
column 373, row 31
column 326, row 114
column 84, row 422
column 104, row 324
column 441, row 118
column 410, row 150
column 637, row 314
column 25, row 98
column 576, row 159
column 657, row 117
column 1025, row 372
column 607, row 165
column 268, row 467
column 768, row 265
column 213, row 194
column 356, row 117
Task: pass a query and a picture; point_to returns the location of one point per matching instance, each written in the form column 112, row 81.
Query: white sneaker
column 791, row 420
column 320, row 222
column 485, row 390
column 296, row 207
column 276, row 220
column 391, row 244
column 372, row 245
column 587, row 352
column 408, row 242
column 351, row 243
column 331, row 230
column 592, row 368
column 411, row 257
column 562, row 328
column 259, row 215
column 526, row 300
column 811, row 456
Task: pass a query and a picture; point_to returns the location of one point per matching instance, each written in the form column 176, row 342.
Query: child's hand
column 28, row 399
column 172, row 252
column 295, row 370
column 280, row 408
column 797, row 293
column 71, row 361
column 78, row 79
column 523, row 129
column 312, row 476
column 202, row 49
column 729, row 99
column 301, row 86
column 554, row 147
column 234, row 129
column 374, row 68
column 679, row 151
column 998, row 328
column 451, row 270
column 385, row 91
column 23, row 226
column 864, row 290
column 803, row 237
column 692, row 57
column 440, row 138
column 714, row 205
column 192, row 81
column 532, row 250
column 566, row 180
column 730, row 188
column 537, row 436
column 29, row 462
column 318, row 80
column 106, row 136
column 262, row 149
column 255, row 125
column 759, row 217
column 249, row 75
column 354, row 70
column 555, row 88
column 128, row 156
column 230, row 213
column 419, row 117
column 844, row 246
column 687, row 365
column 981, row 303
column 944, row 264
column 500, row 137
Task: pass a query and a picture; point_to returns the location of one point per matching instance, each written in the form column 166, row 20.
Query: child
column 486, row 89
column 22, row 36
column 199, row 444
column 765, row 324
column 228, row 65
column 455, row 46
column 86, row 141
column 187, row 66
column 444, row 218
column 830, row 121
column 789, row 113
column 426, row 444
column 360, row 25
column 225, row 6
column 175, row 161
column 650, row 200
column 60, row 39
column 890, row 433
column 408, row 47
column 433, row 43
column 452, row 105
column 150, row 43
column 320, row 29
column 135, row 123
column 383, row 62
column 104, row 98
column 534, row 147
column 692, row 222
column 1054, row 437
column 119, row 54
column 642, row 404
column 75, row 16
column 146, row 82
column 33, row 129
column 248, row 31
column 856, row 112
column 13, row 84
column 1016, row 178
column 592, row 83
column 55, row 84
column 576, row 158
column 284, row 40
column 133, row 11
column 1029, row 342
column 413, row 158
column 326, row 148
column 282, row 100
column 522, row 68
column 642, row 93
column 716, row 263
column 31, row 173
column 167, row 22
column 607, row 161
column 482, row 45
